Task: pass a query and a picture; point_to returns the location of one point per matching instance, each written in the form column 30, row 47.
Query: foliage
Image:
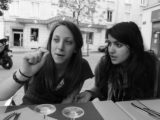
column 80, row 8
column 4, row 6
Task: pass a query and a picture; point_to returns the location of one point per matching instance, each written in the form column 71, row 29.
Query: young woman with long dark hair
column 52, row 75
column 126, row 71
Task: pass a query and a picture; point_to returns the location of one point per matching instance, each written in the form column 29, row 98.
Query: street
column 93, row 58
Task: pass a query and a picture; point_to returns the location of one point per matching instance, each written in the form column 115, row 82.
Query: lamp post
column 88, row 41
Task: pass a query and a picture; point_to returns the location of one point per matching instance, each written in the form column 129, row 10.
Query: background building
column 27, row 22
column 151, row 26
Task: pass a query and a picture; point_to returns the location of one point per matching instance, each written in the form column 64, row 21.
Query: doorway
column 18, row 37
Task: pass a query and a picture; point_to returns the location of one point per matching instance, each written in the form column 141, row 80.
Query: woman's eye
column 119, row 45
column 56, row 39
column 68, row 42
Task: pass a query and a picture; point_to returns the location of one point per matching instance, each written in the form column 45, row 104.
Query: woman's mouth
column 59, row 55
column 113, row 57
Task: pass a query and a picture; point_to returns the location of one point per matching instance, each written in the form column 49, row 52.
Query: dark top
column 143, row 88
column 42, row 96
column 4, row 51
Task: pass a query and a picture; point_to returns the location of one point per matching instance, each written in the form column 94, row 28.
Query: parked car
column 102, row 48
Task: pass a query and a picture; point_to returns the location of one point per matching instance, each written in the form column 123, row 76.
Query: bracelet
column 17, row 80
column 24, row 74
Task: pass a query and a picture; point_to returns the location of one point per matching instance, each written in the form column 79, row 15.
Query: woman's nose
column 111, row 49
column 61, row 45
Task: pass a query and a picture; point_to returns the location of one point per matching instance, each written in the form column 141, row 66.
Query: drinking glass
column 45, row 109
column 73, row 112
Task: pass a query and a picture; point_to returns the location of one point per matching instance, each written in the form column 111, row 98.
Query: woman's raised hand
column 33, row 62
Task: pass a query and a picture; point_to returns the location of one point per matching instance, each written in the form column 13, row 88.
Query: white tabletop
column 110, row 111
column 137, row 114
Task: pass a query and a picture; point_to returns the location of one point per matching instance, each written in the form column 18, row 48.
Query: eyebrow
column 55, row 35
column 118, row 42
column 59, row 36
column 107, row 40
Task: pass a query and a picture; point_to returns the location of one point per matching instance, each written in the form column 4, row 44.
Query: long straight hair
column 141, row 65
column 47, row 76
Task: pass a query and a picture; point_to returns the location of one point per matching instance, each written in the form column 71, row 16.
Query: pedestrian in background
column 126, row 71
column 52, row 75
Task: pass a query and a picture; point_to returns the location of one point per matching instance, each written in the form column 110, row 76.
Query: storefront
column 30, row 33
column 155, row 41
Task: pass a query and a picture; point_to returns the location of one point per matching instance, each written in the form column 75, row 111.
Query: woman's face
column 118, row 51
column 62, row 45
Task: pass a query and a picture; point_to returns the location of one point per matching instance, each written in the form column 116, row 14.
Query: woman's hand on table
column 83, row 97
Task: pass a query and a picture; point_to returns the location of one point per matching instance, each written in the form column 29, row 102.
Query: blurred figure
column 5, row 57
column 2, row 45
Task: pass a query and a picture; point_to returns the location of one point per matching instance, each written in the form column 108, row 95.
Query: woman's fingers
column 37, row 56
column 34, row 61
column 83, row 97
column 44, row 53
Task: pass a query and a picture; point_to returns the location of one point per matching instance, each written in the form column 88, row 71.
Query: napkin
column 27, row 114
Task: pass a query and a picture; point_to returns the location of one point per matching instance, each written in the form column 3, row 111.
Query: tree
column 4, row 6
column 80, row 8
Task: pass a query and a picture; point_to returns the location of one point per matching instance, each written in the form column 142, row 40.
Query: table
column 110, row 111
column 137, row 114
column 106, row 110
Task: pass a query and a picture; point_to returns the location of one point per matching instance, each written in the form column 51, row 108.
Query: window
column 61, row 3
column 143, row 2
column 109, row 15
column 34, row 34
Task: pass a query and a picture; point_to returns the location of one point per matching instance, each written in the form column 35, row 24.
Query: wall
column 43, row 36
column 146, row 28
column 152, row 2
column 9, row 25
column 147, row 25
column 1, row 27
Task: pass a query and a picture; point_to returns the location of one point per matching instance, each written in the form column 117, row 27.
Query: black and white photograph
column 80, row 59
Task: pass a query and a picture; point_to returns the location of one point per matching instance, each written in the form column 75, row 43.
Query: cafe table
column 96, row 110
column 138, row 114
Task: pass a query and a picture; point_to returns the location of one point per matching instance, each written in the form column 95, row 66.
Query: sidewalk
column 25, row 50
